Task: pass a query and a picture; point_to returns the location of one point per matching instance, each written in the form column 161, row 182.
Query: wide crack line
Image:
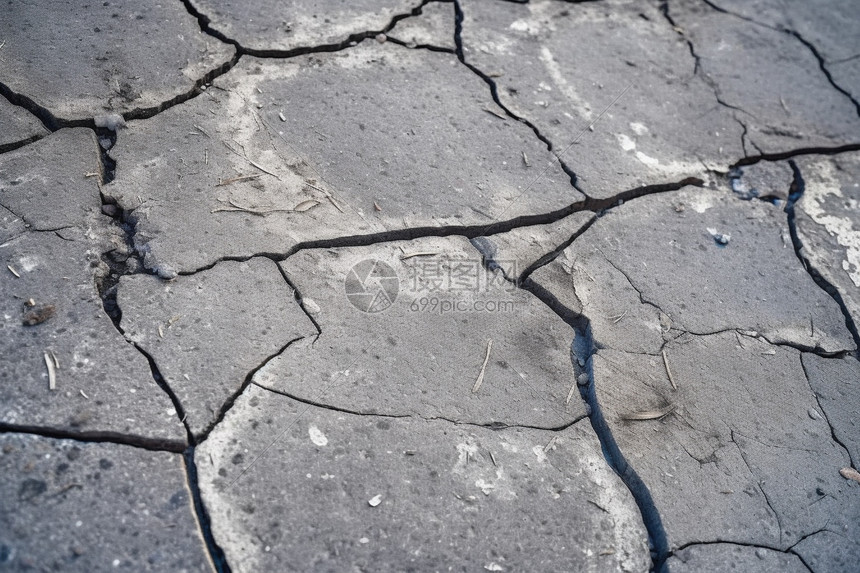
column 798, row 187
column 459, row 16
column 107, row 289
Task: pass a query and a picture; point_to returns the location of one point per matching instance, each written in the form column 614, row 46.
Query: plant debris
column 668, row 372
column 262, row 211
column 483, row 367
column 13, row 271
column 51, row 363
column 37, row 314
column 237, row 180
column 649, row 414
column 850, row 473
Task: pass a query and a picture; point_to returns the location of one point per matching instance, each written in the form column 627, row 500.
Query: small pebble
column 374, row 501
column 814, row 414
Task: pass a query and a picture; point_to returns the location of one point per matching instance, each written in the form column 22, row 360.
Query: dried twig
column 52, row 373
column 850, row 473
column 226, row 182
column 13, row 271
column 483, row 367
column 649, row 414
column 405, row 256
column 668, row 372
column 570, row 394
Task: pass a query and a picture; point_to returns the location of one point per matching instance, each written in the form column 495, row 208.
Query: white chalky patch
column 627, row 144
column 638, row 128
column 841, row 228
column 646, row 159
column 317, row 437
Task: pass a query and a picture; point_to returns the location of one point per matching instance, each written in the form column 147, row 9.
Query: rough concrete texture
column 833, row 382
column 657, row 108
column 53, row 183
column 209, row 331
column 434, row 27
column 19, row 126
column 427, row 285
column 269, row 25
column 103, row 387
column 342, row 492
column 725, row 557
column 709, row 456
column 422, row 356
column 754, row 69
column 667, row 248
column 72, row 506
column 365, row 146
column 113, row 73
column 827, row 225
column 52, row 242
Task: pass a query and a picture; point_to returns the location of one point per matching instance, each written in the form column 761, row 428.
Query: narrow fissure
column 489, row 425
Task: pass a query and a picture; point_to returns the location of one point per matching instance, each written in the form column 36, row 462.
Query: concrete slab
column 82, row 59
column 208, row 332
column 662, row 122
column 262, row 25
column 720, row 557
column 361, row 150
column 830, row 31
column 19, row 126
column 73, row 506
column 828, row 223
column 306, row 488
column 53, row 183
column 104, row 387
column 759, row 70
column 422, row 353
column 834, row 382
column 745, row 445
column 667, row 247
column 434, row 27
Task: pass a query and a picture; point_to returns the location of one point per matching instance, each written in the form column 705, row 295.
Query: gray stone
column 276, row 25
column 739, row 446
column 207, row 332
column 834, row 382
column 775, row 81
column 19, row 126
column 828, row 223
column 766, row 180
column 518, row 250
column 53, row 183
column 296, row 487
column 11, row 225
column 561, row 66
column 424, row 353
column 846, row 74
column 83, row 59
column 434, row 27
column 74, row 506
column 103, row 385
column 725, row 557
column 365, row 135
column 665, row 247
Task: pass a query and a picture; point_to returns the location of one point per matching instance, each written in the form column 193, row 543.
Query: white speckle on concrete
column 627, row 144
column 317, row 437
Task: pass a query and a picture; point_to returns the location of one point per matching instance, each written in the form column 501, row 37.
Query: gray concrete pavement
column 430, row 286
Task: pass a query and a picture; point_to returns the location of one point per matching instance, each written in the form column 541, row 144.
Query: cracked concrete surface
column 412, row 285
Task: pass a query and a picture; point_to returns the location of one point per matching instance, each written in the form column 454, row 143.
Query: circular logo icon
column 371, row 285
